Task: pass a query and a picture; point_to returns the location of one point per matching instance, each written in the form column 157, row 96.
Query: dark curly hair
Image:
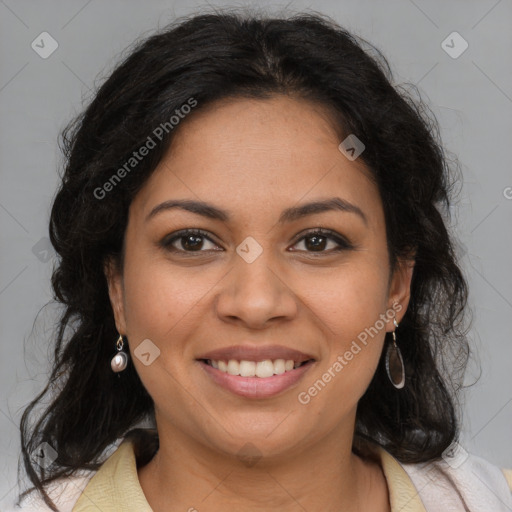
column 228, row 54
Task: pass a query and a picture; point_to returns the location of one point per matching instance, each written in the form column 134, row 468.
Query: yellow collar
column 115, row 486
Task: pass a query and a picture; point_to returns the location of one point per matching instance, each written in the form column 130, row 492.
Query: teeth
column 261, row 369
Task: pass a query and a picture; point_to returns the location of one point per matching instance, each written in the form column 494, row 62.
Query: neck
column 327, row 476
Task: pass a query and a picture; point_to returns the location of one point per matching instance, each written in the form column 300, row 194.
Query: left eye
column 318, row 240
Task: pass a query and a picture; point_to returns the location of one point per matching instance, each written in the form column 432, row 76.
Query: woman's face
column 257, row 278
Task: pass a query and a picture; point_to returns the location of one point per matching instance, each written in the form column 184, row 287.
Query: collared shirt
column 473, row 485
column 116, row 486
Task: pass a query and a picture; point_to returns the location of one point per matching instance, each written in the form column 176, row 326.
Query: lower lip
column 256, row 387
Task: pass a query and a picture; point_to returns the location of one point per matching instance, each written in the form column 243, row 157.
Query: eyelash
column 343, row 243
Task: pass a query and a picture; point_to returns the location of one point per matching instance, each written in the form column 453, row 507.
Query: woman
column 255, row 265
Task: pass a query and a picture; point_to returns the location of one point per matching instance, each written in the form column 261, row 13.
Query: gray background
column 471, row 96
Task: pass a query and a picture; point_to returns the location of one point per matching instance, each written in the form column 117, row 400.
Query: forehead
column 250, row 154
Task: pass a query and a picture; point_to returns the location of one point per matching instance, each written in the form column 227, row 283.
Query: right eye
column 190, row 240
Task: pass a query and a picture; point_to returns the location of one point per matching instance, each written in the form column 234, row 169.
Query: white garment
column 461, row 483
column 63, row 493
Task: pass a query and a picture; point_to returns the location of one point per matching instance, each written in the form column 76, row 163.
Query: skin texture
column 254, row 158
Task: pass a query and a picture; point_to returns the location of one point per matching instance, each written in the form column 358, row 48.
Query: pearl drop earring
column 120, row 360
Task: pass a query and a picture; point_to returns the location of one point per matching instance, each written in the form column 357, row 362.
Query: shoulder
column 63, row 492
column 462, row 479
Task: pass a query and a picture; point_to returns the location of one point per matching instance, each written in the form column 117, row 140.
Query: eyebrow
column 288, row 215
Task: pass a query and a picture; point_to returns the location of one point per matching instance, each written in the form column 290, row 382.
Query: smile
column 251, row 379
column 260, row 369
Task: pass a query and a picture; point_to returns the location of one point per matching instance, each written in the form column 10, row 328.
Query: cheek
column 163, row 304
column 346, row 300
column 350, row 307
column 160, row 299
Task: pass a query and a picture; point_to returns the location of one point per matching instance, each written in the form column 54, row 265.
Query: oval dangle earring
column 395, row 363
column 120, row 360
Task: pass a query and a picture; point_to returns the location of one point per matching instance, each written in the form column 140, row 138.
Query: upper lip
column 256, row 353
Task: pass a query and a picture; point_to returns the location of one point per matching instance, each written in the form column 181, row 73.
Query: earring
column 395, row 363
column 120, row 360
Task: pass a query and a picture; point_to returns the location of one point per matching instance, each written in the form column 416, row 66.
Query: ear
column 400, row 288
column 116, row 292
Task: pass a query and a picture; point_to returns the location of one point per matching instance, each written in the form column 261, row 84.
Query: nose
column 256, row 293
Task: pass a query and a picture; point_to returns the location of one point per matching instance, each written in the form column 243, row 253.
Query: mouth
column 255, row 369
column 256, row 379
